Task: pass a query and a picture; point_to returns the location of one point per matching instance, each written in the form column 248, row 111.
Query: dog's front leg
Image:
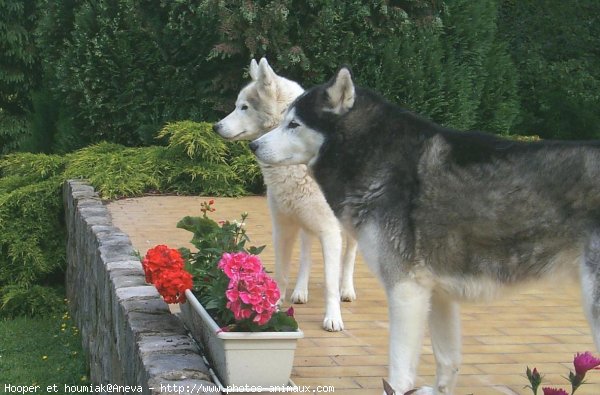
column 300, row 294
column 331, row 244
column 444, row 328
column 284, row 235
column 347, row 287
column 408, row 304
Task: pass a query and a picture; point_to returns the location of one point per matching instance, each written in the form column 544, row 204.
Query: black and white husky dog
column 443, row 216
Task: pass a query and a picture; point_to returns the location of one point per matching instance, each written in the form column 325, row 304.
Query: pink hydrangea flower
column 584, row 362
column 554, row 391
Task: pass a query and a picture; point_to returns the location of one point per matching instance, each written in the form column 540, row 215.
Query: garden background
column 123, row 93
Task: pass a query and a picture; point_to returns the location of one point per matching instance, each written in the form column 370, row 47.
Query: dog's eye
column 293, row 125
column 244, row 107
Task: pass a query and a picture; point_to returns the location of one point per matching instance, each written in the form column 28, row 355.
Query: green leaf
column 198, row 225
column 256, row 250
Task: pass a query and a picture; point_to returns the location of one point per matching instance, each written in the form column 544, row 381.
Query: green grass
column 41, row 351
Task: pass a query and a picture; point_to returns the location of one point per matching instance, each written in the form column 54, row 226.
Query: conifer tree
column 19, row 69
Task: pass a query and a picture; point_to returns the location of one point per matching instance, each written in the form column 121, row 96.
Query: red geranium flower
column 163, row 267
column 161, row 258
column 171, row 285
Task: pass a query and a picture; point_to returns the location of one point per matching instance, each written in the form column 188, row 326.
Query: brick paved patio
column 541, row 327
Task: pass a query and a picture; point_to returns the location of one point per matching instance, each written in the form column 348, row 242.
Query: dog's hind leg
column 590, row 285
column 284, row 235
column 408, row 304
column 331, row 245
column 300, row 294
column 444, row 328
column 347, row 292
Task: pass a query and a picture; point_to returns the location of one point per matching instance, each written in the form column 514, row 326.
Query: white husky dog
column 295, row 201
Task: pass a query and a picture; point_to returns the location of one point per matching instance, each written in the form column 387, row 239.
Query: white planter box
column 242, row 358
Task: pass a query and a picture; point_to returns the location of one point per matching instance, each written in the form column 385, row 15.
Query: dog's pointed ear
column 341, row 92
column 253, row 70
column 266, row 77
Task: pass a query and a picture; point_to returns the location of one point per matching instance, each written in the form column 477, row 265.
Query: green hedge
column 32, row 233
column 555, row 47
column 75, row 72
column 118, row 70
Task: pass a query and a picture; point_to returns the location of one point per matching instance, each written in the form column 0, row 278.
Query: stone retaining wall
column 128, row 333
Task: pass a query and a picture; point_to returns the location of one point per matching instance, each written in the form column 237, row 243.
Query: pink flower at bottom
column 554, row 391
column 584, row 362
column 232, row 294
column 251, row 292
column 240, row 312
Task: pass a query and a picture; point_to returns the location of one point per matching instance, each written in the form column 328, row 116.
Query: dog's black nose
column 253, row 146
column 216, row 127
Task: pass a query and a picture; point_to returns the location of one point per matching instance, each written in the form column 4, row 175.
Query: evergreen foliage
column 76, row 72
column 19, row 69
column 429, row 56
column 556, row 49
column 126, row 68
column 32, row 233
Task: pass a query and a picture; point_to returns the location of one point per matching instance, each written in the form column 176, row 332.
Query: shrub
column 50, row 129
column 442, row 59
column 123, row 171
column 78, row 72
column 555, row 48
column 197, row 159
column 125, row 68
column 451, row 66
column 32, row 234
column 19, row 69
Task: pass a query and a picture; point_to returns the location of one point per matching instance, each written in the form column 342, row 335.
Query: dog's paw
column 299, row 296
column 333, row 324
column 347, row 294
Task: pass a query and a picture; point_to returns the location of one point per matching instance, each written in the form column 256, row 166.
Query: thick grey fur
column 466, row 203
column 442, row 215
